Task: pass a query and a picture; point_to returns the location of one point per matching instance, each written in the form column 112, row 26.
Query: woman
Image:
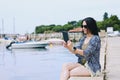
column 87, row 51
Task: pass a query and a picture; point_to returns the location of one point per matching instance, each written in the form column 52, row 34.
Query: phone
column 65, row 36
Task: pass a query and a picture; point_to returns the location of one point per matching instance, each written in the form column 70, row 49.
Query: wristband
column 74, row 48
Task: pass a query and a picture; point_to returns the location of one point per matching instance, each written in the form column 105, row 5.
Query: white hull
column 29, row 45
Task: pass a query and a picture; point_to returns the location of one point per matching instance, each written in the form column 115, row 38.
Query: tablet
column 65, row 36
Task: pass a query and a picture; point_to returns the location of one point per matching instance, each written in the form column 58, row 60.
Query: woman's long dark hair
column 91, row 25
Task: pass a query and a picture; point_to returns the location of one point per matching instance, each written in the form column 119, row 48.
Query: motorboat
column 29, row 44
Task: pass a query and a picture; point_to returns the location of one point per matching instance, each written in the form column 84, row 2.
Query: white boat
column 31, row 44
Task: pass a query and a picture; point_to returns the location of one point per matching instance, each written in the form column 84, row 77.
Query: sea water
column 33, row 64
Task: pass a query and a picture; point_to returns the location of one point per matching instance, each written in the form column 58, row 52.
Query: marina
column 33, row 64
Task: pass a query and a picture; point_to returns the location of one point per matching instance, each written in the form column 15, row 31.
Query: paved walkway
column 113, row 58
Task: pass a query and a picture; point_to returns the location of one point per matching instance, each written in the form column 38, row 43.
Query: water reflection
column 28, row 50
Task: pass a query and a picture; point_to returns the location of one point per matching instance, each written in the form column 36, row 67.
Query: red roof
column 76, row 30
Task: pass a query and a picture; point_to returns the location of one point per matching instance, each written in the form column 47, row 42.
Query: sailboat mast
column 2, row 30
column 2, row 26
column 13, row 25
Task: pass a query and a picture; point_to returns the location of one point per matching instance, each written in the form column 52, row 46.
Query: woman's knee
column 79, row 71
column 65, row 66
column 75, row 71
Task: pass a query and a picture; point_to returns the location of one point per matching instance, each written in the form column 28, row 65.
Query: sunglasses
column 85, row 26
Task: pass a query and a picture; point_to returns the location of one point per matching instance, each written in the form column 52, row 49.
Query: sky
column 22, row 16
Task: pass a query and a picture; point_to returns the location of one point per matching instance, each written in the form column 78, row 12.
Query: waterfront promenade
column 110, row 60
column 113, row 59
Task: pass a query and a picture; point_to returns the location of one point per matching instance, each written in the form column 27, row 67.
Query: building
column 75, row 34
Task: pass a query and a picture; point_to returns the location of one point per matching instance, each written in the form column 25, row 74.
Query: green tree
column 73, row 23
column 116, row 27
column 67, row 27
column 105, row 16
column 57, row 28
column 112, row 21
column 100, row 25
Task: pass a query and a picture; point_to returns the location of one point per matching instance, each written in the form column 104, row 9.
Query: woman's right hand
column 64, row 44
column 68, row 45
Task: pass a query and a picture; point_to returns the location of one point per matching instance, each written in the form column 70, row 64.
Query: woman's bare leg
column 80, row 71
column 65, row 74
